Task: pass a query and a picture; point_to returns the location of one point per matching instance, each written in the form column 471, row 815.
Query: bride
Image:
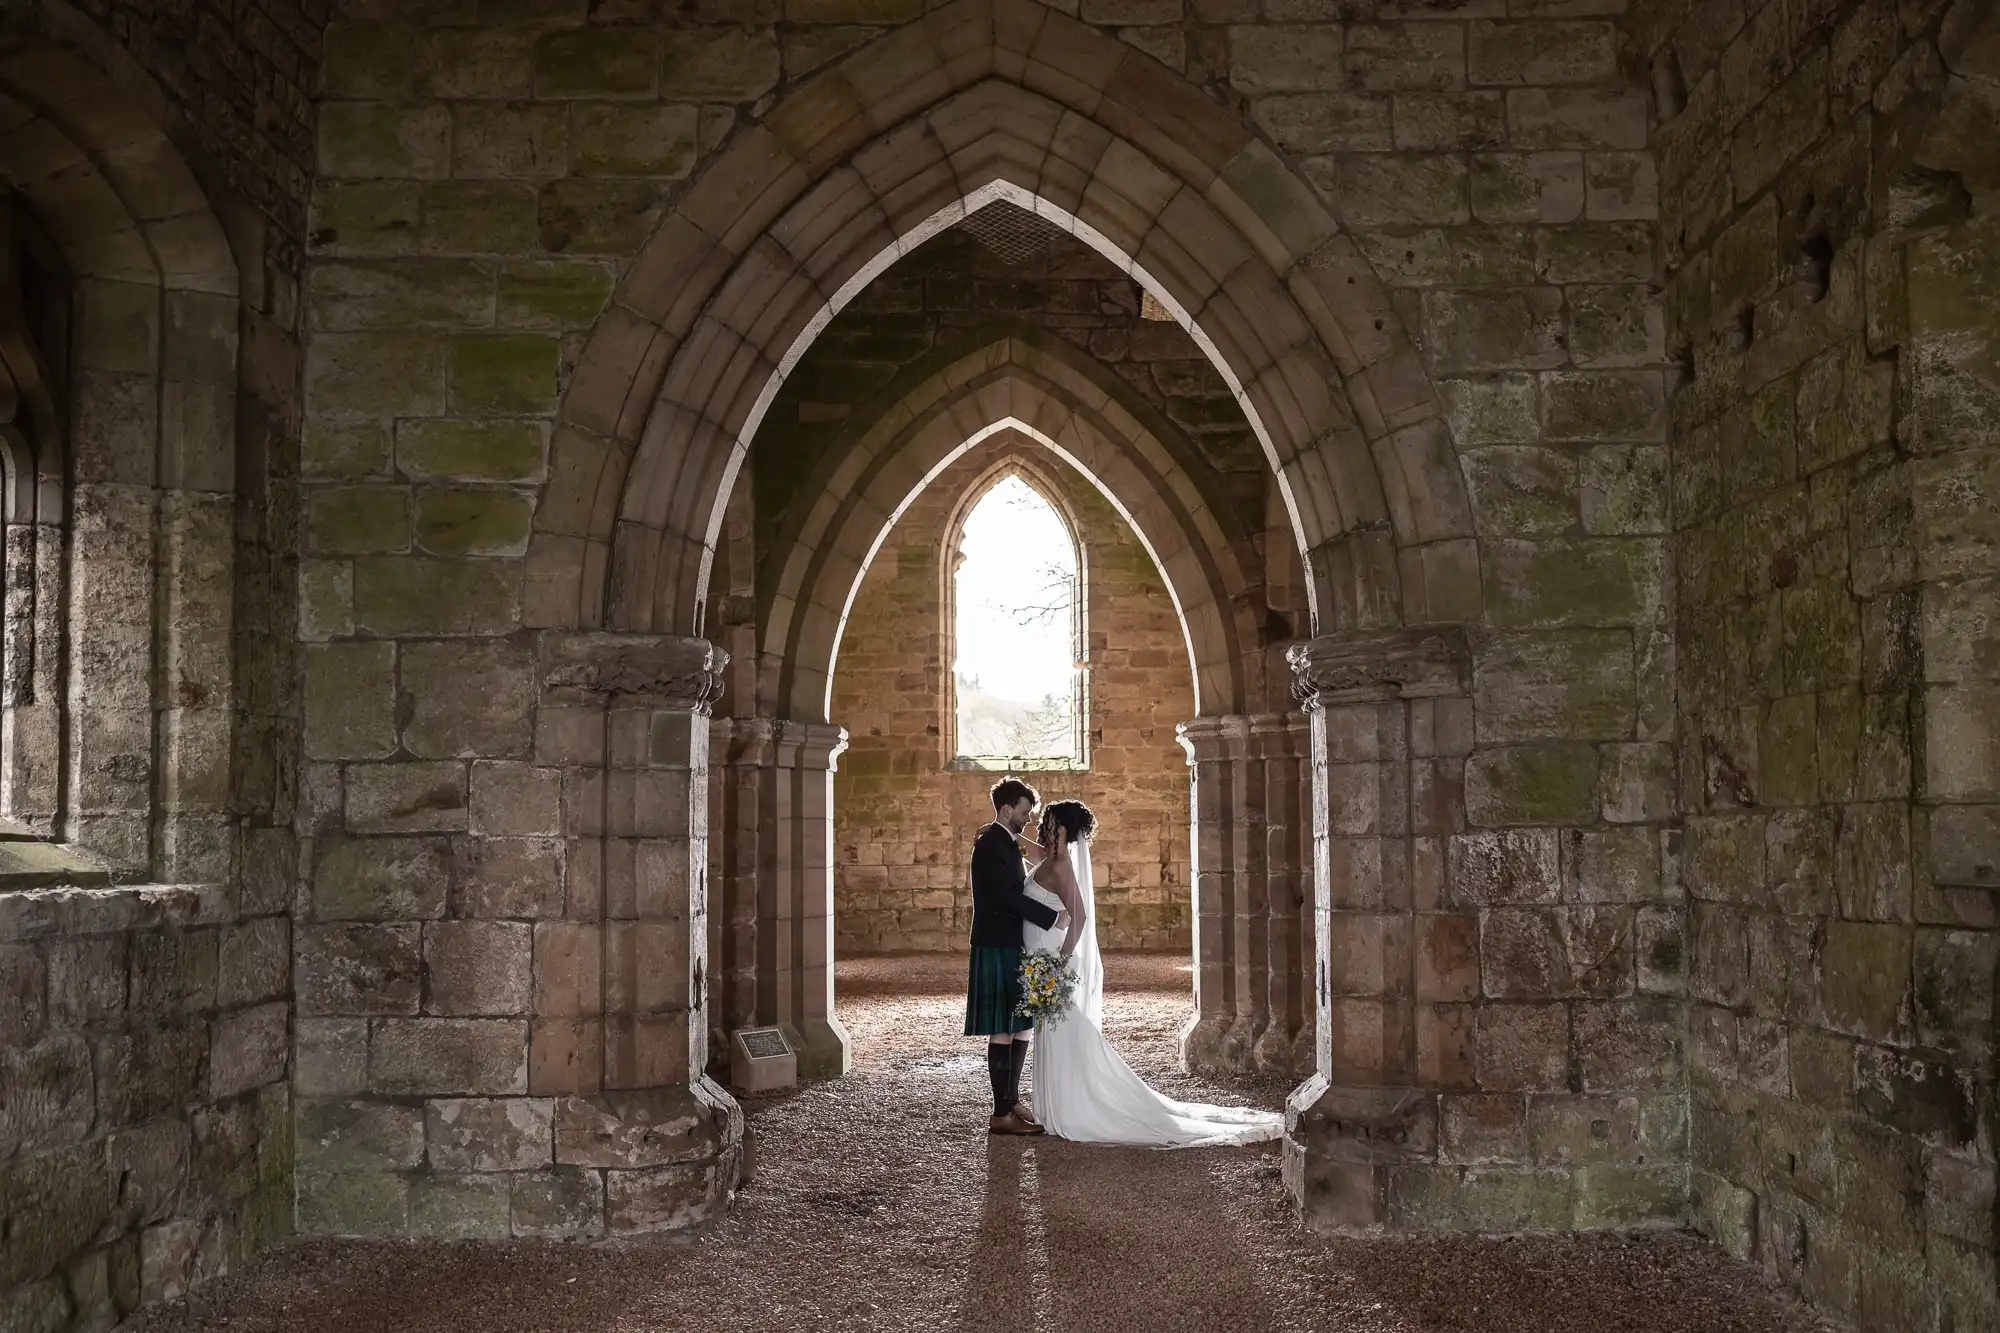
column 1084, row 1090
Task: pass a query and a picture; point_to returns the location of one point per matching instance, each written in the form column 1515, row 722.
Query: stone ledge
column 38, row 913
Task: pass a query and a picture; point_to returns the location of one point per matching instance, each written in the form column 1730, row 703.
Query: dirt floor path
column 879, row 1202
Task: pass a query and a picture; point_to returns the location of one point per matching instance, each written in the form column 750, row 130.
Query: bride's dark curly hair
column 1073, row 816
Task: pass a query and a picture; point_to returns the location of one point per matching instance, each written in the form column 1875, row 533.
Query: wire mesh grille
column 1014, row 234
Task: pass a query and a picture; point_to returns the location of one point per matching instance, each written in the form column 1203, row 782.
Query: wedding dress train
column 1084, row 1090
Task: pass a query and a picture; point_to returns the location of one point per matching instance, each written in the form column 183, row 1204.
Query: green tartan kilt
column 993, row 993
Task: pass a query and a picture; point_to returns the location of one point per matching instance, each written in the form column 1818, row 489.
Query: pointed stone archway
column 1002, row 100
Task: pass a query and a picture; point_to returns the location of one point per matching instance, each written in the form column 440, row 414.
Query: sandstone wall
column 1826, row 168
column 481, row 187
column 904, row 821
column 145, row 1027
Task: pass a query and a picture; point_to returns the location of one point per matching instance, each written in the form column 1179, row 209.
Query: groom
column 1000, row 903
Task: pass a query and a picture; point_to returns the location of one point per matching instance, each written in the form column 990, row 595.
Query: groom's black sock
column 1017, row 1061
column 999, row 1072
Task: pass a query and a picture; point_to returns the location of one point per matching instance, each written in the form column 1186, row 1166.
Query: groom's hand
column 1062, row 918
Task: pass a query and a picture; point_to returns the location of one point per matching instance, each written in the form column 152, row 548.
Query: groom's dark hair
column 1007, row 791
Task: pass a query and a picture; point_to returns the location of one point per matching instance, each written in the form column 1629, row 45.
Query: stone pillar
column 1252, row 946
column 1280, row 749
column 621, row 1031
column 1370, row 1105
column 795, row 896
column 743, row 749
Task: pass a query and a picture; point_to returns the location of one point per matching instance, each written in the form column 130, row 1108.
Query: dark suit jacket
column 1000, row 901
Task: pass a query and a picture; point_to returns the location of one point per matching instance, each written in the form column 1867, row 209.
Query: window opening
column 1018, row 668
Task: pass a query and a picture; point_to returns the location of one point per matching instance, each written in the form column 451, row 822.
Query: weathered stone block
column 331, row 1056
column 613, row 140
column 515, row 799
column 1567, row 684
column 1590, row 581
column 598, row 62
column 1865, row 977
column 378, row 139
column 460, row 1207
column 1522, row 491
column 389, row 373
column 1621, row 325
column 1394, row 57
column 1285, row 58
column 562, row 1203
column 478, row 967
column 1527, row 187
column 1522, row 1047
column 599, row 216
column 554, row 296
column 512, row 373
column 468, row 522
column 1326, row 122
column 1619, row 865
column 1587, row 118
column 413, row 596
column 1515, row 866
column 1542, row 54
column 45, row 1094
column 406, row 798
column 1636, row 783
column 359, row 970
column 479, row 218
column 467, row 700
column 1614, row 1196
column 402, row 295
column 363, row 1203
column 512, row 1134
column 509, row 140
column 1624, row 491
column 351, row 1136
column 383, row 879
column 720, row 64
column 508, row 877
column 471, row 450
column 665, row 1198
column 449, row 1056
column 1378, row 190
column 1531, row 784
column 1628, row 1046
column 1520, row 328
column 249, row 1048
column 474, row 62
column 357, row 520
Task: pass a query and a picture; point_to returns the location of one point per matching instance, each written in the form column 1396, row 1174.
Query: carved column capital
column 1214, row 737
column 666, row 671
column 808, row 744
column 1385, row 664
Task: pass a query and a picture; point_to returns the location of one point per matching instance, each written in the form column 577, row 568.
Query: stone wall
column 952, row 296
column 145, row 1114
column 904, row 821
column 1827, row 167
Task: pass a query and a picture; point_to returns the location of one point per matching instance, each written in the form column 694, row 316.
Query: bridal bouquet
column 1048, row 983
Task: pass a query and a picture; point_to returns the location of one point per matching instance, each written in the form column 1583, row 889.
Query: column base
column 823, row 1046
column 1201, row 1041
column 1342, row 1147
column 1275, row 1052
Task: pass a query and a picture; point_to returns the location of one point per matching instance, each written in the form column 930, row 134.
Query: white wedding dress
column 1084, row 1090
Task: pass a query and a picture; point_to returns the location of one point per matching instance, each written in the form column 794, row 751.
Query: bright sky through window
column 1016, row 631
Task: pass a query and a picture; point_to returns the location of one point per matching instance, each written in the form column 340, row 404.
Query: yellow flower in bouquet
column 1048, row 983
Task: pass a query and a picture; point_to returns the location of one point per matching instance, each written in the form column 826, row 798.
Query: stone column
column 1368, row 1108
column 1280, row 748
column 1226, row 820
column 795, row 896
column 627, row 717
column 743, row 749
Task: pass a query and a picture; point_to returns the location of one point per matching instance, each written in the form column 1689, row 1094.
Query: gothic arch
column 1008, row 386
column 129, row 765
column 981, row 101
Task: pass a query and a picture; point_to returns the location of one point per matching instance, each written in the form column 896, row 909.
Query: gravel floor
column 880, row 1203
